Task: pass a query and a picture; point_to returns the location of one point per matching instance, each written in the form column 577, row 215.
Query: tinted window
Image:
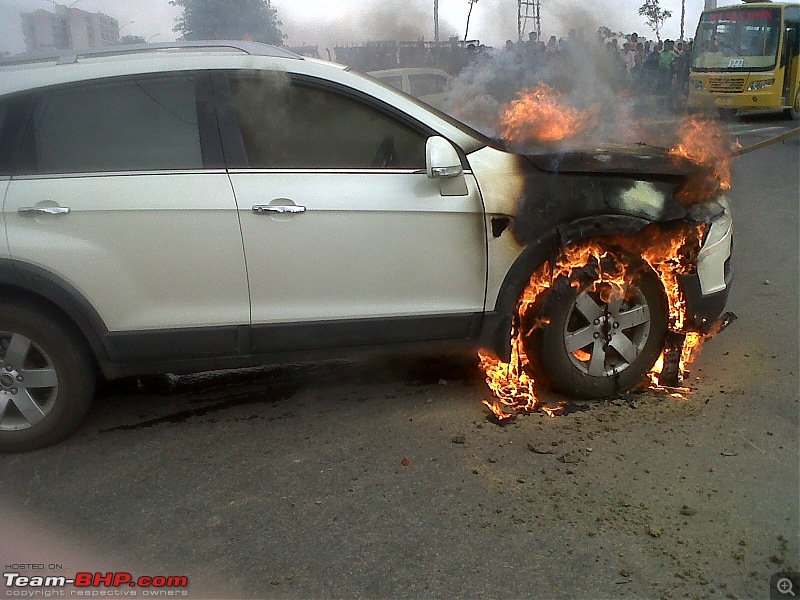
column 121, row 126
column 286, row 124
column 426, row 85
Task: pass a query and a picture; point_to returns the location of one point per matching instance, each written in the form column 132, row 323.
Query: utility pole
column 529, row 10
column 436, row 21
column 683, row 17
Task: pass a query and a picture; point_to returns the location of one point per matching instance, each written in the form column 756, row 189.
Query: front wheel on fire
column 596, row 335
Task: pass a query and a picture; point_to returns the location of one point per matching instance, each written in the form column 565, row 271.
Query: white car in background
column 429, row 85
column 210, row 205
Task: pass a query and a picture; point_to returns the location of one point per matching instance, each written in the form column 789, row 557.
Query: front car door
column 348, row 242
column 122, row 195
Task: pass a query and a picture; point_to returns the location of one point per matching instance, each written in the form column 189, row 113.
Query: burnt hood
column 638, row 161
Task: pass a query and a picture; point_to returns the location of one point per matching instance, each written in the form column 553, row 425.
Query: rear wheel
column 46, row 378
column 598, row 340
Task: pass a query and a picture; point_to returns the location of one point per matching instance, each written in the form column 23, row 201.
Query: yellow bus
column 747, row 57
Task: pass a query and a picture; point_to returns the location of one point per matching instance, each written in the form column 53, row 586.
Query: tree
column 254, row 20
column 472, row 4
column 654, row 15
column 132, row 39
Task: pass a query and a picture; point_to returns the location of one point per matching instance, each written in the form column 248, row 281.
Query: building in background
column 68, row 28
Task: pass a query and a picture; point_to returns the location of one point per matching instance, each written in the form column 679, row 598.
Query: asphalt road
column 384, row 480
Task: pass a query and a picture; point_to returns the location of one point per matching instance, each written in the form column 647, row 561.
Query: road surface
column 383, row 480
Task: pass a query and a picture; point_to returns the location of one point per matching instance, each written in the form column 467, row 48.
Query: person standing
column 631, row 51
column 666, row 69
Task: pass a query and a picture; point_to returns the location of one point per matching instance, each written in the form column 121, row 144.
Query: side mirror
column 441, row 159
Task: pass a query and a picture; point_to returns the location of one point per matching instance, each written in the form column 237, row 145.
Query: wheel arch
column 546, row 249
column 30, row 283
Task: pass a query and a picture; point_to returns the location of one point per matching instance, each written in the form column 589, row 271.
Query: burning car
column 210, row 205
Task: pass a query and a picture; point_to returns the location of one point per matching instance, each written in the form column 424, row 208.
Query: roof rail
column 64, row 57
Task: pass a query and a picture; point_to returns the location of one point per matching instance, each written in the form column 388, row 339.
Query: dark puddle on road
column 222, row 390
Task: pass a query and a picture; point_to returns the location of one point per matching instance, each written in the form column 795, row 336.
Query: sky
column 330, row 22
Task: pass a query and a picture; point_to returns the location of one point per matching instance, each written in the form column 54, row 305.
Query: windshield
column 740, row 39
column 480, row 137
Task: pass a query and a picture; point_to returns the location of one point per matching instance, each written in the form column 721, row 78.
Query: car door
column 122, row 195
column 9, row 123
column 348, row 242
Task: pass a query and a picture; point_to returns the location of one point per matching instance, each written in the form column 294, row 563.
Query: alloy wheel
column 603, row 338
column 28, row 382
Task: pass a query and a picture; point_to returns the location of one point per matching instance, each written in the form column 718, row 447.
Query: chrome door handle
column 46, row 210
column 282, row 209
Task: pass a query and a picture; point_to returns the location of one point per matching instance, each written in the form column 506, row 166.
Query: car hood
column 638, row 161
column 551, row 189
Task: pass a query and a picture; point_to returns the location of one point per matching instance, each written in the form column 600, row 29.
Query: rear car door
column 121, row 193
column 348, row 242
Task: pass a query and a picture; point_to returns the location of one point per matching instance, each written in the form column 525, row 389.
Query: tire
column 794, row 112
column 46, row 378
column 575, row 313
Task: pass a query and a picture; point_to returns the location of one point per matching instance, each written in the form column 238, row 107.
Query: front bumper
column 706, row 291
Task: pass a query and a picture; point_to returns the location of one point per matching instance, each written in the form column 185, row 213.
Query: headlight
column 707, row 212
column 760, row 85
column 697, row 84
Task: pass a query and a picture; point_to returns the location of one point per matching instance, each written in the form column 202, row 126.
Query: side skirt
column 203, row 349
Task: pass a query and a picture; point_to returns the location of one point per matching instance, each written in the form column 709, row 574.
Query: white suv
column 211, row 205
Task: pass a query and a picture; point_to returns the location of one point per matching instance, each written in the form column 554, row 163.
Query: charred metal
column 615, row 192
column 603, row 191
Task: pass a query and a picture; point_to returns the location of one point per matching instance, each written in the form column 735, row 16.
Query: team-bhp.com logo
column 157, row 585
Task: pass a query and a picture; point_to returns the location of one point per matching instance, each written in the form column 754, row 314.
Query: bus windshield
column 737, row 39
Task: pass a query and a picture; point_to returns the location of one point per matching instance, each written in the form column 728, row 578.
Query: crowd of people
column 643, row 68
column 657, row 68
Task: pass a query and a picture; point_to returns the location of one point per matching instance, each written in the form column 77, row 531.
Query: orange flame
column 552, row 412
column 668, row 253
column 690, row 351
column 703, row 142
column 498, row 411
column 540, row 114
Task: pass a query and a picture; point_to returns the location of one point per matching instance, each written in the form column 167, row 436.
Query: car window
column 149, row 124
column 288, row 124
column 426, row 84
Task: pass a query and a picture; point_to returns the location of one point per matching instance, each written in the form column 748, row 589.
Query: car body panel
column 148, row 251
column 370, row 244
column 716, row 252
column 4, row 251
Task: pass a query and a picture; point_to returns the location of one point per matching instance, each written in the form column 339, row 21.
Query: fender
column 31, row 280
column 542, row 250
